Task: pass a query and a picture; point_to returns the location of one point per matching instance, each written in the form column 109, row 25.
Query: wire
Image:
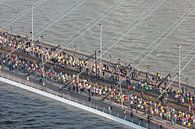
column 177, row 24
column 176, row 76
column 21, row 14
column 159, row 3
column 59, row 18
column 107, row 13
column 49, row 25
column 95, row 19
column 156, row 5
column 151, row 43
column 183, row 59
column 116, row 6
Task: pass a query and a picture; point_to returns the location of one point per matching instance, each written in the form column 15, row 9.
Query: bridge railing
column 95, row 104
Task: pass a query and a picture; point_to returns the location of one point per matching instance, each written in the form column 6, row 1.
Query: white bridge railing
column 114, row 115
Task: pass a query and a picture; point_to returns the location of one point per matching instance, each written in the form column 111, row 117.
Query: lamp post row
column 179, row 47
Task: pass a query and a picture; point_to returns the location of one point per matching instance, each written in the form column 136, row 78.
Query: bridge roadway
column 47, row 44
column 138, row 117
column 101, row 80
column 143, row 74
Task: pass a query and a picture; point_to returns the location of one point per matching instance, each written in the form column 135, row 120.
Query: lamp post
column 119, row 62
column 32, row 25
column 10, row 29
column 42, row 63
column 41, row 38
column 179, row 72
column 186, row 80
column 109, row 58
column 147, row 73
column 75, row 49
column 118, row 74
column 96, row 72
column 100, row 43
column 148, row 67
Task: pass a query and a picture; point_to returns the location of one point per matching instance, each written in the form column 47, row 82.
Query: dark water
column 163, row 59
column 20, row 109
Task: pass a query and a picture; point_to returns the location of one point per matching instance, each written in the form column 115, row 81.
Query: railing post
column 27, row 78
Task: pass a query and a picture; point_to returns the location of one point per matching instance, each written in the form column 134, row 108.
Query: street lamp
column 100, row 43
column 118, row 73
column 109, row 54
column 118, row 62
column 186, row 80
column 118, row 68
column 42, row 62
column 10, row 29
column 179, row 73
column 32, row 26
column 41, row 37
column 75, row 49
column 147, row 73
column 148, row 66
column 95, row 54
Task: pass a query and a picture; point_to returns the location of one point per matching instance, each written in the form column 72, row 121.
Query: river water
column 20, row 109
column 68, row 26
column 62, row 22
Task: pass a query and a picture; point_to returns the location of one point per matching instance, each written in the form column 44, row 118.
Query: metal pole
column 120, row 89
column 32, row 25
column 42, row 63
column 11, row 29
column 75, row 49
column 185, row 88
column 43, row 71
column 109, row 59
column 179, row 74
column 100, row 43
column 121, row 96
column 147, row 72
column 96, row 64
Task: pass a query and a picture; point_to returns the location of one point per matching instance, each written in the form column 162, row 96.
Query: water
column 163, row 59
column 20, row 109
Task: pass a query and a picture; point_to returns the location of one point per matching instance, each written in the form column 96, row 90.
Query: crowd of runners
column 137, row 82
